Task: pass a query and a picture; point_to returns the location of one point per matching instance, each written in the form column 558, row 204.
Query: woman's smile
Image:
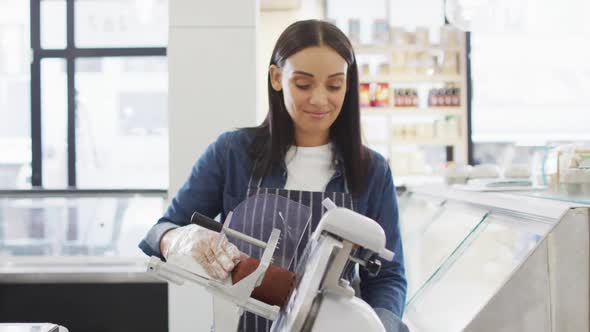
column 317, row 114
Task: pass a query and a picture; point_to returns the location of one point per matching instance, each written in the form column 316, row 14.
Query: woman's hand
column 218, row 259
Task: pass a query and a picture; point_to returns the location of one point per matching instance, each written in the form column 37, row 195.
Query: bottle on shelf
column 406, row 98
column 448, row 96
column 415, row 99
column 456, row 99
column 447, row 100
column 432, row 97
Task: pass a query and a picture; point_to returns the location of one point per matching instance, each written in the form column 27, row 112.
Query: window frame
column 70, row 54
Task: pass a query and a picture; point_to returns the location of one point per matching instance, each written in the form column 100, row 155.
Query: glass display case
column 74, row 236
column 74, row 261
column 494, row 261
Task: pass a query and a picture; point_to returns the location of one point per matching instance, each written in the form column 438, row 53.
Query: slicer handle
column 373, row 266
column 204, row 221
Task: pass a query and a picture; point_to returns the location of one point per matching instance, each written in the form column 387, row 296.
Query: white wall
column 212, row 89
column 271, row 25
column 212, row 68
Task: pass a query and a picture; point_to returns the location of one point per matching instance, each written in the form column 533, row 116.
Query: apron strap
column 251, row 178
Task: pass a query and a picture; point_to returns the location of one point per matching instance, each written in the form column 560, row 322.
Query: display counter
column 480, row 261
column 74, row 261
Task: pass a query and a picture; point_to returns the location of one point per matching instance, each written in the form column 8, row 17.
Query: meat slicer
column 320, row 298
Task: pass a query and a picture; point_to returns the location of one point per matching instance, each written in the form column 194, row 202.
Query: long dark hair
column 276, row 133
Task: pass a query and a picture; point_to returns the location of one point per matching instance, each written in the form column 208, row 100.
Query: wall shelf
column 411, row 78
column 428, row 142
column 424, row 142
column 416, row 118
column 383, row 49
column 413, row 111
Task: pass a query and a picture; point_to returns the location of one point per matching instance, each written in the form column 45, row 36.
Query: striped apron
column 250, row 224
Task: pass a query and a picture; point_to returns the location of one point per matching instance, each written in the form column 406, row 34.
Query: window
column 121, row 122
column 531, row 84
column 121, row 23
column 15, row 78
column 89, row 110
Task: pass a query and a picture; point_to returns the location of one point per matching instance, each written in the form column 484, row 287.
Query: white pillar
column 212, row 76
column 212, row 89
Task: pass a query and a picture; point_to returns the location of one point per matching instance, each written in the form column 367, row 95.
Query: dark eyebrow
column 302, row 73
column 336, row 74
column 311, row 75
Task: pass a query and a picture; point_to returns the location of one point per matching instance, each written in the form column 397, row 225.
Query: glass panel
column 581, row 199
column 15, row 126
column 54, row 119
column 466, row 283
column 53, row 24
column 122, row 129
column 106, row 226
column 121, row 23
column 430, row 243
column 416, row 211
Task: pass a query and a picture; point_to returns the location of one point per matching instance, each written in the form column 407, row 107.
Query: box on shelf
column 365, row 94
column 449, row 37
column 450, row 63
column 381, row 95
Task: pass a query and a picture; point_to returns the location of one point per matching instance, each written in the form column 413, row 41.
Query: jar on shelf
column 365, row 70
column 398, row 36
column 429, row 64
column 422, row 39
column 398, row 132
column 381, row 31
column 449, row 37
column 410, row 132
column 383, row 69
column 412, row 63
column 354, row 30
column 399, row 62
column 452, row 127
column 425, row 65
column 424, row 131
column 440, row 129
column 450, row 63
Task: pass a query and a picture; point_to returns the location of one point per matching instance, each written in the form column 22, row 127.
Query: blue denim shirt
column 219, row 181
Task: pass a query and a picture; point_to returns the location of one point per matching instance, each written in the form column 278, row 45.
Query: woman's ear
column 275, row 77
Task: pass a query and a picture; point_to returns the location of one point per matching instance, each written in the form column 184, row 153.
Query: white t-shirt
column 309, row 168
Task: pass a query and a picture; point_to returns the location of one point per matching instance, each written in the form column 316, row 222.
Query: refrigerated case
column 495, row 261
column 74, row 261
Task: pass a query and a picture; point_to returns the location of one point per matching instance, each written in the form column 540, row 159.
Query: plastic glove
column 201, row 243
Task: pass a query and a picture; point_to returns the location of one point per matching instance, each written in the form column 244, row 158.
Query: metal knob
column 373, row 266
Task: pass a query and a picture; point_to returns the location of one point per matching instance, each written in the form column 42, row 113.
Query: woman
column 309, row 143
